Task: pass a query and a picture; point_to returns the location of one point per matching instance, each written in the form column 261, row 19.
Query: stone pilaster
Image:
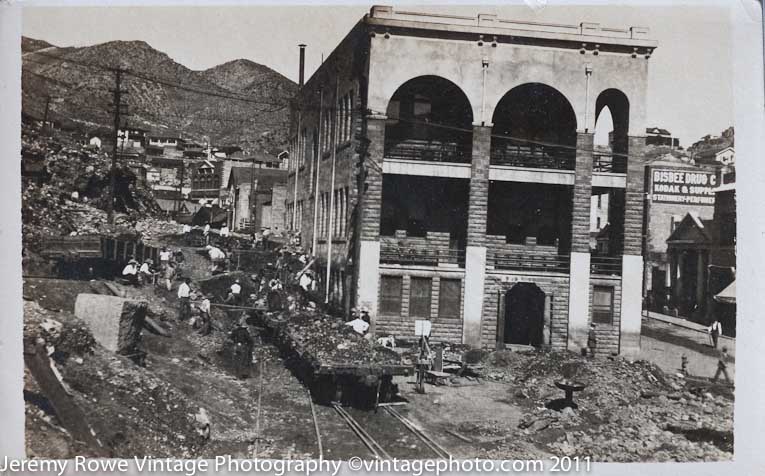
column 580, row 219
column 368, row 266
column 579, row 279
column 632, row 260
column 475, row 254
column 479, row 186
column 370, row 215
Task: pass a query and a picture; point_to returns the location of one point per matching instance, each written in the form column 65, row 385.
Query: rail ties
column 377, row 451
column 439, row 450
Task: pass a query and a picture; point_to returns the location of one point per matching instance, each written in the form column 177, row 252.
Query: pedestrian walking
column 184, row 297
column 722, row 366
column 714, row 331
column 164, row 258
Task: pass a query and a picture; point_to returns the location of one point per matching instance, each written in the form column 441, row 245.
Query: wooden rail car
column 89, row 256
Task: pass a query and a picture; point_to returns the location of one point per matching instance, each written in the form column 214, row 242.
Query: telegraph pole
column 117, row 93
column 45, row 116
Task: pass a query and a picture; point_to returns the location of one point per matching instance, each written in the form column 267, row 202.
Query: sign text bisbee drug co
column 683, row 186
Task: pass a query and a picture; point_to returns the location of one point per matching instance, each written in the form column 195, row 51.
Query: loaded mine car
column 90, row 256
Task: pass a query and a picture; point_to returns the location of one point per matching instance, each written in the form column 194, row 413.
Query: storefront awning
column 727, row 295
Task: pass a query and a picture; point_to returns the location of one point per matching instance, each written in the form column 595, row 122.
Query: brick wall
column 555, row 285
column 448, row 329
column 607, row 335
column 634, row 193
column 479, row 186
column 580, row 220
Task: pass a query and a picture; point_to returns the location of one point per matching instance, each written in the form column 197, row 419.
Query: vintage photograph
column 414, row 232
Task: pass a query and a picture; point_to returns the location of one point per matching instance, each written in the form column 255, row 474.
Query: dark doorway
column 524, row 315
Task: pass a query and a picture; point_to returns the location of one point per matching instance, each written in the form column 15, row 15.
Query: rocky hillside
column 244, row 103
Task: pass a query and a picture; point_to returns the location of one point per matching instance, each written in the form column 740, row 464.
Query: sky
column 690, row 91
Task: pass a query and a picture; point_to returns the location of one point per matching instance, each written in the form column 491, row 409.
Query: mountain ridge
column 244, row 103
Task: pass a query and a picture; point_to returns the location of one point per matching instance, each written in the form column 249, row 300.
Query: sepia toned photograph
column 411, row 232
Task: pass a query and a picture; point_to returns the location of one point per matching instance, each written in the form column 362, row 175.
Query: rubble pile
column 628, row 411
column 62, row 332
column 73, row 193
column 153, row 229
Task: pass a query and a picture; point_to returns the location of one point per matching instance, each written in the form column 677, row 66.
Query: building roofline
column 584, row 32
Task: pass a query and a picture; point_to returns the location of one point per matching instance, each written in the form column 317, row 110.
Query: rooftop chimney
column 302, row 65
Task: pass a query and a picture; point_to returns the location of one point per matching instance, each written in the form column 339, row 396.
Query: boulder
column 115, row 322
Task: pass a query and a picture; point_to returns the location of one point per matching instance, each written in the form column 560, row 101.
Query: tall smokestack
column 302, row 65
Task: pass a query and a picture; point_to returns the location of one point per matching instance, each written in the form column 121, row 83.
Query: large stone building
column 471, row 204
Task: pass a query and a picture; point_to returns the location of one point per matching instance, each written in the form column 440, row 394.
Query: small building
column 256, row 198
column 134, row 137
column 205, row 180
column 702, row 257
column 165, row 139
column 656, row 136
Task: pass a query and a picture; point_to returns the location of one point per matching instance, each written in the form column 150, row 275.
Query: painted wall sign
column 683, row 186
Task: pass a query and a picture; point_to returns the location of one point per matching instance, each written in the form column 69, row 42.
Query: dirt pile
column 628, row 411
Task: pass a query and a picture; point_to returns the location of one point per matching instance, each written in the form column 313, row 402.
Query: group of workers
column 147, row 273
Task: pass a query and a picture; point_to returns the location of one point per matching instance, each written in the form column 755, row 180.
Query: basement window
column 390, row 295
column 603, row 305
column 419, row 297
column 449, row 296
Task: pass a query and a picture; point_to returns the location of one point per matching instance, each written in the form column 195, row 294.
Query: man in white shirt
column 186, row 233
column 130, row 272
column 714, row 331
column 184, row 296
column 204, row 313
column 234, row 294
column 224, row 231
column 145, row 273
column 359, row 325
column 164, row 257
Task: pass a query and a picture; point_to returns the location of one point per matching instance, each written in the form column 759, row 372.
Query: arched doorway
column 524, row 315
column 534, row 126
column 429, row 118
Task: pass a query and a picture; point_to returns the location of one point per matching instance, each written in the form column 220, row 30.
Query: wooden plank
column 69, row 414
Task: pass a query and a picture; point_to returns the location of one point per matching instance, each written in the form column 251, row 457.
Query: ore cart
column 358, row 385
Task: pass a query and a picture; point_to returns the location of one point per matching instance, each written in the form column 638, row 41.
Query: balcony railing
column 529, row 262
column 606, row 265
column 429, row 150
column 520, row 154
column 609, row 163
column 421, row 255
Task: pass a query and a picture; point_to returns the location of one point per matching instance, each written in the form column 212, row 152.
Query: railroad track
column 375, row 447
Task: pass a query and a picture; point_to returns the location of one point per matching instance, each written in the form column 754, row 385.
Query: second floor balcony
column 434, row 249
column 429, row 150
column 522, row 154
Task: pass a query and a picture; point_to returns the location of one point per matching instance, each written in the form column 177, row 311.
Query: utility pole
column 45, row 116
column 117, row 93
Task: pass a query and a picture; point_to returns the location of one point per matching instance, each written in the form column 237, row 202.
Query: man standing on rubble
column 169, row 275
column 204, row 314
column 722, row 366
column 186, row 233
column 184, row 296
column 217, row 256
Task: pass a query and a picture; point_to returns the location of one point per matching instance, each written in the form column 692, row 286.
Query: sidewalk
column 724, row 340
column 666, row 339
